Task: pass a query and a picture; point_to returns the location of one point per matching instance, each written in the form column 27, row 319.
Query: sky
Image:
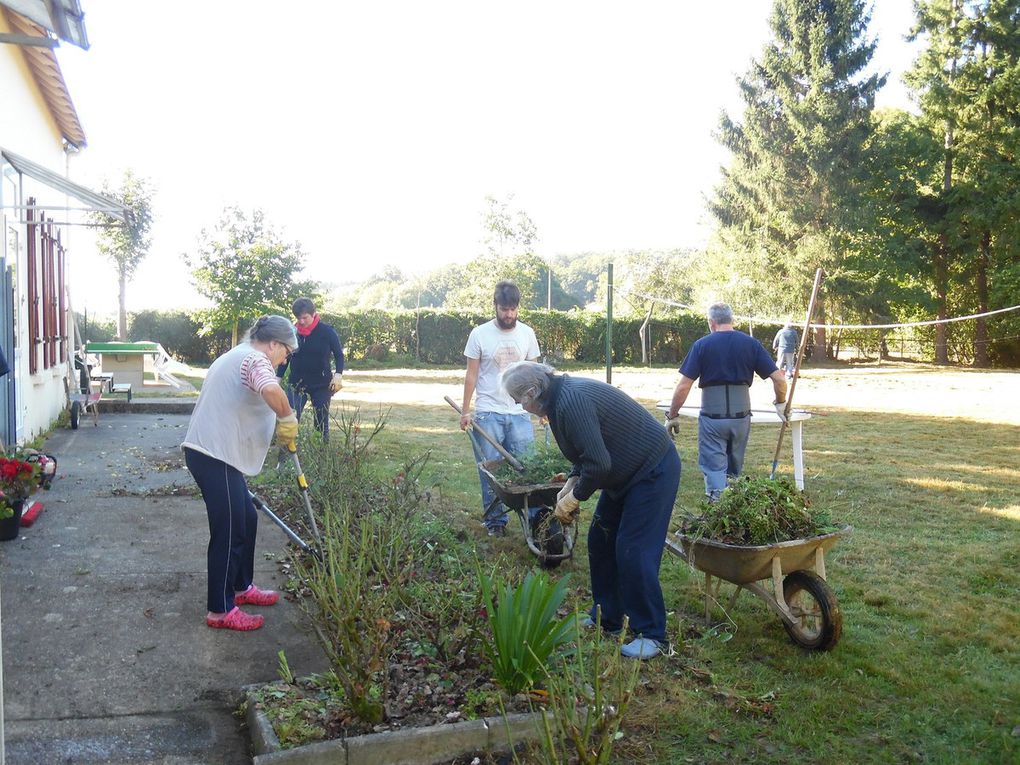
column 371, row 133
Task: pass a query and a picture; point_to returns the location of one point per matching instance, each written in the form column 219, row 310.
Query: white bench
column 122, row 388
column 104, row 378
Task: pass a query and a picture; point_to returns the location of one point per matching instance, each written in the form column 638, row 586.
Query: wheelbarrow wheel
column 548, row 534
column 818, row 622
column 75, row 414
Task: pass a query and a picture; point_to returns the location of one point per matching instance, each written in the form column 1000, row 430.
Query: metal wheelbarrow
column 546, row 537
column 799, row 594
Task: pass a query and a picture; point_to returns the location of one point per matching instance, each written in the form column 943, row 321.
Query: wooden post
column 796, row 369
column 609, row 325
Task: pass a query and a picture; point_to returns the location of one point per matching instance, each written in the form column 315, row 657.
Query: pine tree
column 968, row 84
column 793, row 191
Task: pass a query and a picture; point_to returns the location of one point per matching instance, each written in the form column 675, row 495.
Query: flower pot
column 10, row 527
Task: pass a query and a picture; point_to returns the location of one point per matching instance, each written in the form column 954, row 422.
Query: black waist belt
column 734, row 416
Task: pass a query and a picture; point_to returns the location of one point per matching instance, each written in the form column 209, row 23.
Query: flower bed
column 415, row 633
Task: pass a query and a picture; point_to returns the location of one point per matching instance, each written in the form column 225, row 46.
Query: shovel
column 796, row 371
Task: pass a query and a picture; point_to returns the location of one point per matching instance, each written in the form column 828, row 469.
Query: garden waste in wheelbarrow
column 799, row 595
column 546, row 537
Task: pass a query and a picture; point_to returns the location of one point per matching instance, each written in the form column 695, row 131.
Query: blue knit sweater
column 309, row 365
column 609, row 437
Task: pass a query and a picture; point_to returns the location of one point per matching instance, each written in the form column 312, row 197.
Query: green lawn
column 928, row 668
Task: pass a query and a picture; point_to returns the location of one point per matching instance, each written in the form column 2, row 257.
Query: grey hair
column 720, row 313
column 273, row 327
column 527, row 381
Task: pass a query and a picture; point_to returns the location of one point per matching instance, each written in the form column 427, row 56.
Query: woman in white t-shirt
column 231, row 429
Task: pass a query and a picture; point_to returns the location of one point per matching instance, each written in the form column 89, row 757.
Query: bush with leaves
column 391, row 594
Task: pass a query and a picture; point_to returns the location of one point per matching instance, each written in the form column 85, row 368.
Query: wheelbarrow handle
column 499, row 448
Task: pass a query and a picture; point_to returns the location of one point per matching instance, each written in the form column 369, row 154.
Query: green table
column 126, row 361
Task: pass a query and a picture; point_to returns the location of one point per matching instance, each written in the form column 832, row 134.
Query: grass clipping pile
column 758, row 511
column 543, row 464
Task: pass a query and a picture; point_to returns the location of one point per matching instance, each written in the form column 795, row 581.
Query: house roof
column 42, row 62
column 62, row 17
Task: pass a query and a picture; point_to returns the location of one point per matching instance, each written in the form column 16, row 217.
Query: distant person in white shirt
column 491, row 348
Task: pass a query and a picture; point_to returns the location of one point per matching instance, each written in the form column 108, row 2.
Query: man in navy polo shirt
column 724, row 362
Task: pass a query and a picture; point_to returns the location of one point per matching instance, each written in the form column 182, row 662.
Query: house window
column 47, row 320
column 50, row 249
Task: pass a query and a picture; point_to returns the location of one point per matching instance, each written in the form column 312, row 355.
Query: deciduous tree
column 246, row 269
column 125, row 244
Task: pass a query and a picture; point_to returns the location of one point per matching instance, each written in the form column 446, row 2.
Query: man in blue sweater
column 615, row 445
column 725, row 362
column 311, row 375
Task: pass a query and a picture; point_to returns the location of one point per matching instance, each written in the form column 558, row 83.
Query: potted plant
column 19, row 479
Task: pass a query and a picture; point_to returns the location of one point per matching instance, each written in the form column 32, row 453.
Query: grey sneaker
column 641, row 648
column 497, row 531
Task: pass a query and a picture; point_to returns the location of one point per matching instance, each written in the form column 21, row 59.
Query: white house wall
column 27, row 128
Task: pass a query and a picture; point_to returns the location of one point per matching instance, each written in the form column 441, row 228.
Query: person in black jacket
column 617, row 446
column 311, row 376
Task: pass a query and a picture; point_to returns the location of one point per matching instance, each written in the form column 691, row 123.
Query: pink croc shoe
column 235, row 619
column 253, row 596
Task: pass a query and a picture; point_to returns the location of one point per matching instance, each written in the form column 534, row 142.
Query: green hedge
column 438, row 337
column 178, row 333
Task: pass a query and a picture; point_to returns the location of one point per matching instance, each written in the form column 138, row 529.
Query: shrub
column 432, row 336
column 365, row 557
column 96, row 330
column 179, row 333
column 390, row 582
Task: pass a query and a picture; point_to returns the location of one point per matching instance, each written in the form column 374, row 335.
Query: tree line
column 911, row 215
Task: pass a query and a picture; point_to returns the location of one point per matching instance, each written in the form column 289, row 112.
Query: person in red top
column 311, row 375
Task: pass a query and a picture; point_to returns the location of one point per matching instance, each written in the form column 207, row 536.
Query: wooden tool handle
column 499, row 448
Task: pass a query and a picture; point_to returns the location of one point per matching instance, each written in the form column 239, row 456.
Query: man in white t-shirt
column 491, row 348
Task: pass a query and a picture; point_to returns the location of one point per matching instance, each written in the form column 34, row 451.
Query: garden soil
column 106, row 655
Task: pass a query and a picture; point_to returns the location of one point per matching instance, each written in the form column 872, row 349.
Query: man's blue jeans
column 721, row 447
column 515, row 433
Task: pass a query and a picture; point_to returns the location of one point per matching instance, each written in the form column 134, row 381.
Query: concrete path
column 106, row 656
